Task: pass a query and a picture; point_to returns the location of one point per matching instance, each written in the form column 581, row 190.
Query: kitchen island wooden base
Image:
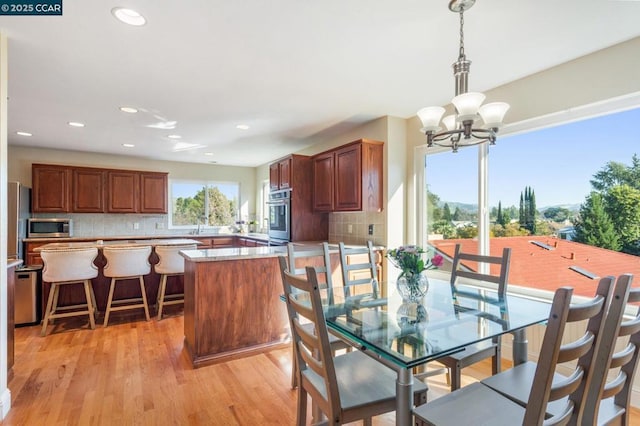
column 232, row 307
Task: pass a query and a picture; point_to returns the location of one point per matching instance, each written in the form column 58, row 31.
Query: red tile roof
column 533, row 265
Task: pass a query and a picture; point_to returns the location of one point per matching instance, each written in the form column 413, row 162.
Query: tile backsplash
column 353, row 227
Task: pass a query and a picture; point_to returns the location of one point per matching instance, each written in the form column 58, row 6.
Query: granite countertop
column 235, row 253
column 117, row 243
column 252, row 235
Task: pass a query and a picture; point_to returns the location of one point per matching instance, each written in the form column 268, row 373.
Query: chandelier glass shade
column 473, row 123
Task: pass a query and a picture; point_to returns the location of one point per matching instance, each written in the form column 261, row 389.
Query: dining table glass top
column 444, row 321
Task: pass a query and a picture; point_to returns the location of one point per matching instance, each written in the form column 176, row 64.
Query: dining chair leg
column 496, row 361
column 161, row 292
column 456, row 378
column 301, row 419
column 294, row 368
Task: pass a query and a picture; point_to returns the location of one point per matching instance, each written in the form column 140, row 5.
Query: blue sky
column 556, row 162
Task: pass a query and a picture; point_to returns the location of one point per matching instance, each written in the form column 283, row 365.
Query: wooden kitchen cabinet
column 123, row 191
column 280, row 172
column 34, row 258
column 349, row 178
column 88, row 190
column 153, row 192
column 51, row 191
column 323, row 177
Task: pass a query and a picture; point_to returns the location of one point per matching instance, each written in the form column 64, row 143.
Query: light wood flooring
column 136, row 373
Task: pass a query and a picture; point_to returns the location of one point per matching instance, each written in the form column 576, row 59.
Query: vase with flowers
column 412, row 284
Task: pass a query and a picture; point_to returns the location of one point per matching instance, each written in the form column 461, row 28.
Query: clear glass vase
column 412, row 287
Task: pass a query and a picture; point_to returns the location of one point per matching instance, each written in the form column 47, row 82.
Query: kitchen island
column 232, row 303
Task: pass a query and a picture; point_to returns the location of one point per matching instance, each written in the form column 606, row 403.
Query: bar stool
column 125, row 263
column 170, row 264
column 69, row 266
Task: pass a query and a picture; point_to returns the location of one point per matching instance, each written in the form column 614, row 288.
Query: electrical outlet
column 159, row 225
column 136, row 225
column 350, row 228
column 371, row 229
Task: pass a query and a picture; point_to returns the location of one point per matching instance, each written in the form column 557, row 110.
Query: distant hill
column 474, row 207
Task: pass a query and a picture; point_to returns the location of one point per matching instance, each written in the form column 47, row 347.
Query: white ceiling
column 289, row 69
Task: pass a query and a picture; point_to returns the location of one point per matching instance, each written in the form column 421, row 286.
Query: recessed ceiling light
column 208, row 153
column 130, row 110
column 128, row 145
column 128, row 16
column 242, row 127
column 174, row 136
column 24, row 134
column 75, row 124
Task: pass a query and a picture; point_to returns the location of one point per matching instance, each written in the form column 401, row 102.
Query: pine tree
column 446, row 213
column 532, row 212
column 500, row 219
column 595, row 227
column 521, row 217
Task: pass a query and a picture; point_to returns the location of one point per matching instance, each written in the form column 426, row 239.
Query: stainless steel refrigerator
column 19, row 206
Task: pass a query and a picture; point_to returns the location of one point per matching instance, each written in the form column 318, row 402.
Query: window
column 207, row 204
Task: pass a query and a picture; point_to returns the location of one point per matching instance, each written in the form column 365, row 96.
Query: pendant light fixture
column 473, row 123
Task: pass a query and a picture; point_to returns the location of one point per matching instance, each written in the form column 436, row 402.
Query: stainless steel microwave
column 49, row 228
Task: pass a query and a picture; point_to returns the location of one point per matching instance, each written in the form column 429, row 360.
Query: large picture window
column 196, row 204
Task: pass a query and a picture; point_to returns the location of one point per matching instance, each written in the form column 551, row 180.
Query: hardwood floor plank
column 138, row 374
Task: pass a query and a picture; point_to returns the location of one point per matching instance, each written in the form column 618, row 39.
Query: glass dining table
column 403, row 334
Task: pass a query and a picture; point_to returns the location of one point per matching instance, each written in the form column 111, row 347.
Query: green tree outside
column 595, row 227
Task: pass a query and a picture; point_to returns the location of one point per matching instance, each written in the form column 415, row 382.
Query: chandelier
column 473, row 123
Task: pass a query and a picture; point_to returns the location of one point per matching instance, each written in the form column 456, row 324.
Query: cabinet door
column 274, row 176
column 348, row 178
column 284, row 167
column 323, row 182
column 51, row 189
column 122, row 191
column 88, row 191
column 153, row 193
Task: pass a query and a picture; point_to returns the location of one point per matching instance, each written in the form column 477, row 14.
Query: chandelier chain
column 461, row 54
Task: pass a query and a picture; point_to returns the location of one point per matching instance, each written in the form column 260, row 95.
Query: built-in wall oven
column 279, row 217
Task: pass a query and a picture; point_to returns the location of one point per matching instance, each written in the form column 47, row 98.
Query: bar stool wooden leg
column 144, row 298
column 161, row 292
column 47, row 312
column 107, row 311
column 90, row 305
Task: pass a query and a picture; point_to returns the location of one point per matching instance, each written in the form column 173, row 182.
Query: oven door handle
column 277, row 202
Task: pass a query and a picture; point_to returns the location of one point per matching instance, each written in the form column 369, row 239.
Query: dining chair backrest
column 352, row 273
column 577, row 354
column 312, row 350
column 312, row 255
column 460, row 268
column 616, row 391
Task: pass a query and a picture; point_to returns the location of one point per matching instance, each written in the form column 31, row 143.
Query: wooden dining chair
column 516, row 383
column 488, row 348
column 608, row 401
column 347, row 387
column 299, row 257
column 359, row 278
column 482, row 405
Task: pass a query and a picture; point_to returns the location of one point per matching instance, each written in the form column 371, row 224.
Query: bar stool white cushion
column 126, row 263
column 69, row 266
column 170, row 263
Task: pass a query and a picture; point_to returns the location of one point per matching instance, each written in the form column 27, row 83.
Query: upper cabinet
column 349, row 178
column 64, row 189
column 153, row 192
column 51, row 188
column 280, row 173
column 88, row 190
